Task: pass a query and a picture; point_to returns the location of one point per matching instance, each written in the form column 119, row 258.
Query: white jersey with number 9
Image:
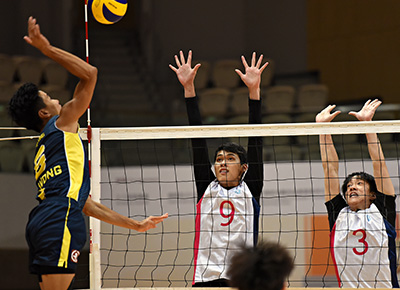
column 225, row 221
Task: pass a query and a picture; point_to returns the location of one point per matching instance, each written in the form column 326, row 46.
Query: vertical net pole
column 94, row 261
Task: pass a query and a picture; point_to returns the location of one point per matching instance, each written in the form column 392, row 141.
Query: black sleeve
column 334, row 206
column 202, row 168
column 254, row 177
column 387, row 207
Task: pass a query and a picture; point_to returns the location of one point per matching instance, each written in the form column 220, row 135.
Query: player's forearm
column 72, row 63
column 330, row 164
column 381, row 172
column 332, row 187
column 103, row 213
column 327, row 148
column 255, row 111
column 193, row 111
column 190, row 91
column 254, row 93
column 374, row 147
column 329, row 157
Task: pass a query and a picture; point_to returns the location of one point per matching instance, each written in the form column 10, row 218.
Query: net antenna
column 89, row 128
column 94, row 252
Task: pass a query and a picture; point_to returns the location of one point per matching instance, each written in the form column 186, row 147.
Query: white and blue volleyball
column 108, row 11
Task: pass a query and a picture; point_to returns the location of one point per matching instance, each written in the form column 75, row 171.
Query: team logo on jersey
column 238, row 190
column 74, row 256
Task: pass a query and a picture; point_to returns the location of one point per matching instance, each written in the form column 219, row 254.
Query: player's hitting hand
column 151, row 222
column 35, row 37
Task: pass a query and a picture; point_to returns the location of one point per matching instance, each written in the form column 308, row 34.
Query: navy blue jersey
column 61, row 166
column 56, row 230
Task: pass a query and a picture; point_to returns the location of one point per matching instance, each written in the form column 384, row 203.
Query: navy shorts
column 56, row 233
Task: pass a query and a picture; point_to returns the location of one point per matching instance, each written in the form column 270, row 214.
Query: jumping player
column 56, row 230
column 362, row 221
column 228, row 202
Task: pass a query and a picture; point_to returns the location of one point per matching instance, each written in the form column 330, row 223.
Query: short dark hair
column 363, row 176
column 264, row 267
column 233, row 148
column 24, row 106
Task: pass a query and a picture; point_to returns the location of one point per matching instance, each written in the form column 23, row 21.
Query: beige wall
column 356, row 47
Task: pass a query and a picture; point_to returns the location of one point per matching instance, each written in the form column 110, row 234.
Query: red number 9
column 230, row 215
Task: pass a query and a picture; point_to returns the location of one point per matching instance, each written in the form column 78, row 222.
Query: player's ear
column 245, row 166
column 43, row 113
column 372, row 196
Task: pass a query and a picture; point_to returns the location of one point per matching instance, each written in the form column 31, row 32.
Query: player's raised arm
column 381, row 173
column 186, row 75
column 87, row 74
column 329, row 157
column 251, row 77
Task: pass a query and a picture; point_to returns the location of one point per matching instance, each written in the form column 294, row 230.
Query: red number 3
column 361, row 240
column 230, row 215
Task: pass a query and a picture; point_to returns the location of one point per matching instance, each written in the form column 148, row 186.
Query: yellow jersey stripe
column 76, row 161
column 39, row 162
column 66, row 241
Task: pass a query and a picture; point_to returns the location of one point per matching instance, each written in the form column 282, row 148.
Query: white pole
column 94, row 261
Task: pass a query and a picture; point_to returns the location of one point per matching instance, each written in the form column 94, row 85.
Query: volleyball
column 108, row 11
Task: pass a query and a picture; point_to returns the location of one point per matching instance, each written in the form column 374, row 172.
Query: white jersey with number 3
column 225, row 221
column 360, row 249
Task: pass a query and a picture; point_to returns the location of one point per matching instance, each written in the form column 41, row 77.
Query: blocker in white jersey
column 226, row 220
column 363, row 243
column 228, row 197
column 362, row 222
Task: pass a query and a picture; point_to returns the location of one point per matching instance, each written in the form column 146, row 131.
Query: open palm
column 252, row 75
column 184, row 70
column 367, row 112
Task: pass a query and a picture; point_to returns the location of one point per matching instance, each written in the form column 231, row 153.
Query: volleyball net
column 140, row 172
